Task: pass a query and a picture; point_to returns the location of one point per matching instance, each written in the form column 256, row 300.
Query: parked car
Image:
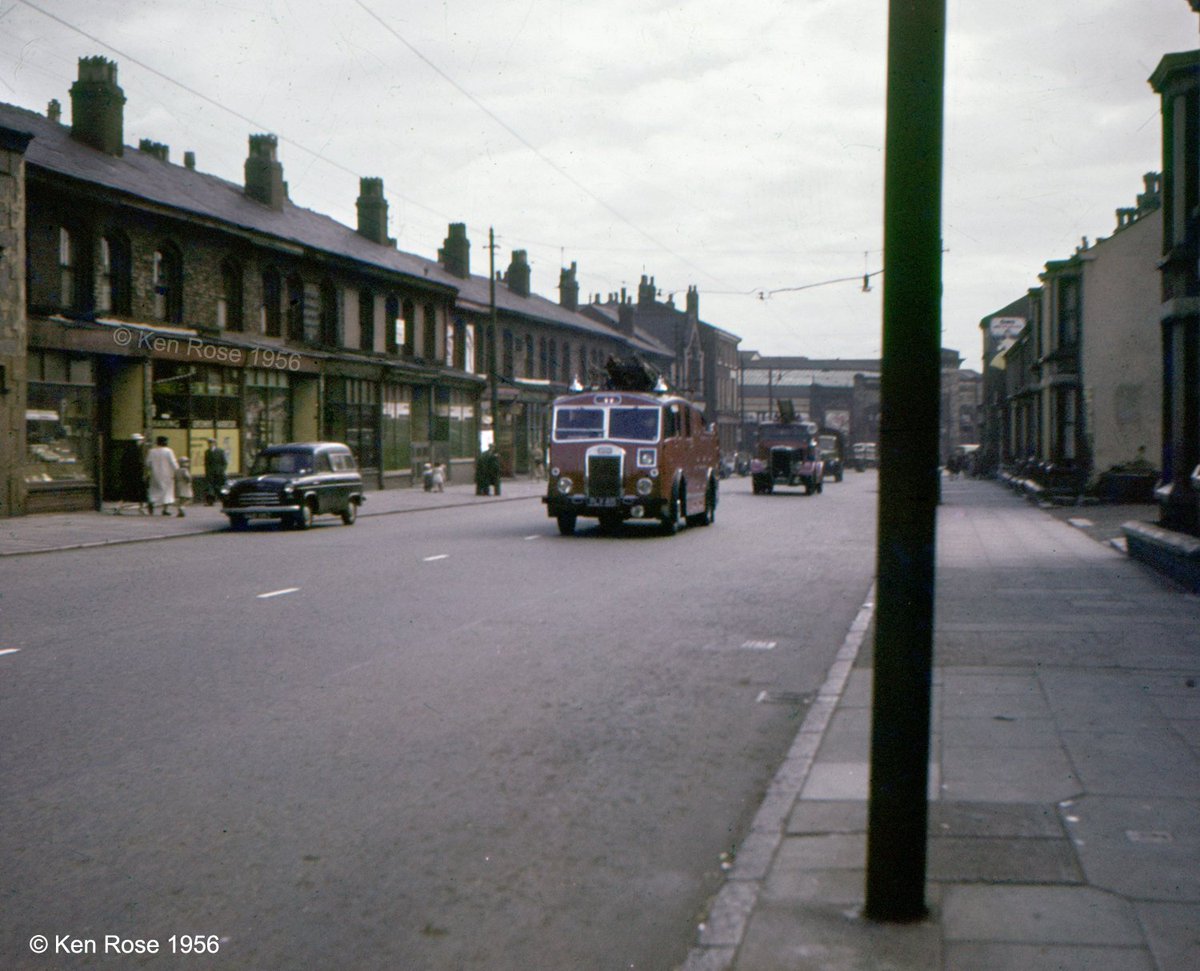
column 294, row 483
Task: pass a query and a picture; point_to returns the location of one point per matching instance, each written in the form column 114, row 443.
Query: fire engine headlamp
column 564, row 485
column 645, row 486
column 554, row 472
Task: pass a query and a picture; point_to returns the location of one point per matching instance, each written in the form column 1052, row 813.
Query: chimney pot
column 189, row 160
column 264, row 175
column 54, row 111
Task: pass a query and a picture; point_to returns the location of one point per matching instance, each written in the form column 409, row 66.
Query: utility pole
column 898, row 810
column 491, row 352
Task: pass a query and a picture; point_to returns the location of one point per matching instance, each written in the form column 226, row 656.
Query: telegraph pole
column 493, row 358
column 898, row 810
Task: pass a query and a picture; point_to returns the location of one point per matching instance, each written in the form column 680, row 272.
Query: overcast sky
column 737, row 148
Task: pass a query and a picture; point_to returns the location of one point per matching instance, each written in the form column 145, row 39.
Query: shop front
column 62, row 455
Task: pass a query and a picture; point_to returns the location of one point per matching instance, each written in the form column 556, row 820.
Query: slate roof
column 195, row 193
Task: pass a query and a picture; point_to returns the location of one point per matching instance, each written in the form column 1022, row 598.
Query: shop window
column 167, row 282
column 268, row 410
column 366, row 320
column 352, row 417
column 60, row 415
column 329, row 314
column 272, row 292
column 396, row 427
column 295, row 308
column 229, row 303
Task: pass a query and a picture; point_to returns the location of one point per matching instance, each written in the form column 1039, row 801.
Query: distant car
column 295, row 483
column 865, row 455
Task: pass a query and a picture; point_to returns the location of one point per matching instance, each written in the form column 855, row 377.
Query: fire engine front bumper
column 623, row 507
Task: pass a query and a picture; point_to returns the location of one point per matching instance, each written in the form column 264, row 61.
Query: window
column 352, row 416
column 529, row 362
column 448, row 357
column 66, row 268
column 366, row 320
column 429, row 333
column 542, row 357
column 229, row 304
column 468, row 353
column 397, row 426
column 507, row 352
column 397, row 330
column 552, row 372
column 60, row 418
column 572, row 424
column 113, row 272
column 268, row 409
column 1068, row 311
column 462, row 352
column 566, row 362
column 272, row 293
column 405, row 327
column 168, row 284
column 295, row 308
column 329, row 314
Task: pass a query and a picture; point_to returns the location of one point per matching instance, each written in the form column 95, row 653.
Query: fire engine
column 631, row 452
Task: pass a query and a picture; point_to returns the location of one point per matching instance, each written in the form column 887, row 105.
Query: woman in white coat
column 162, row 465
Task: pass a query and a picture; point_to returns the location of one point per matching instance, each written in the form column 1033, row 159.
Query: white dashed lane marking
column 440, row 556
column 277, row 593
column 10, row 650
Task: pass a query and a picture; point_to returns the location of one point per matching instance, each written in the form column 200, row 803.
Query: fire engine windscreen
column 619, row 424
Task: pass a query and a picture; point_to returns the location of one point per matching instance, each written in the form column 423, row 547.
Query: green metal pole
column 908, row 466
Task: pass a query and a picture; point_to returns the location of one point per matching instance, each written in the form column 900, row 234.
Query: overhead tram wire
column 217, row 104
column 529, row 145
column 763, row 293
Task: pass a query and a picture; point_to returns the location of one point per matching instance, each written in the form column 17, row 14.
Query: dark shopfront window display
column 60, row 418
column 352, row 417
column 268, row 403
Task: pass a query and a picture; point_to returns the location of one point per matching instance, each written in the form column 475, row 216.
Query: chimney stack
column 693, row 302
column 54, row 111
column 373, row 211
column 189, row 160
column 264, row 175
column 157, row 149
column 517, row 275
column 455, row 254
column 646, row 291
column 568, row 288
column 626, row 312
column 98, row 106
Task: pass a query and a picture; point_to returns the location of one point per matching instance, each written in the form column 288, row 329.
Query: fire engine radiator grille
column 604, row 476
column 781, row 461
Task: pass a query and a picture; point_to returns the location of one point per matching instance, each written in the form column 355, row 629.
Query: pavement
column 1064, row 814
column 116, row 523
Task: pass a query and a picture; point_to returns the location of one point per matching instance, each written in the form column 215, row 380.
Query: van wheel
column 566, row 524
column 350, row 513
column 304, row 518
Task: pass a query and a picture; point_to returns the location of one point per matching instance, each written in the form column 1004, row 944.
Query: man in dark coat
column 215, row 464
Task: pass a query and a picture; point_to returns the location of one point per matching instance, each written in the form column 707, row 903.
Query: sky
column 738, row 151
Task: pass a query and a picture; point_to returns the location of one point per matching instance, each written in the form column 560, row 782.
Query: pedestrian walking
column 427, row 477
column 183, row 484
column 439, row 478
column 162, row 465
column 216, row 462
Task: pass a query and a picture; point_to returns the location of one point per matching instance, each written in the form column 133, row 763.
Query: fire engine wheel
column 566, row 524
column 710, row 509
column 670, row 518
column 809, row 488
